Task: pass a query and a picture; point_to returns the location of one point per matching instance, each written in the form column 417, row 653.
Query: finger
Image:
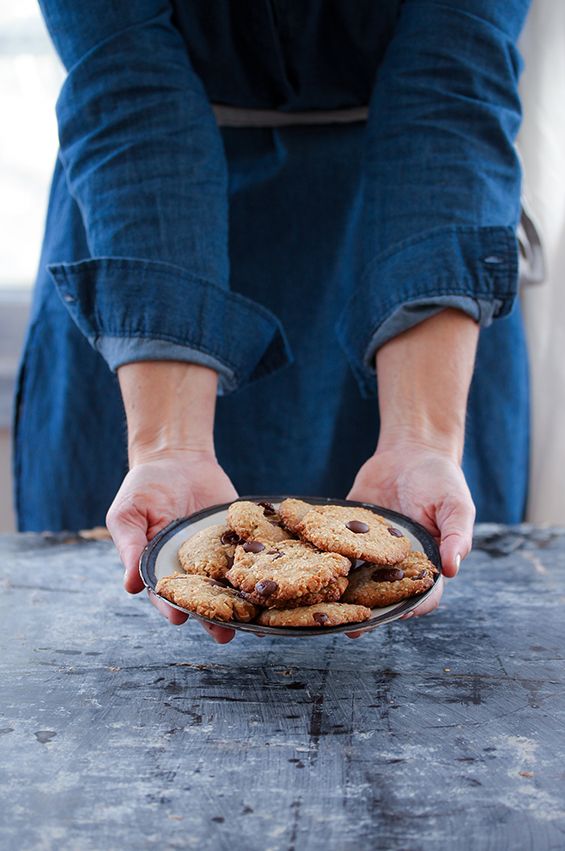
column 429, row 604
column 456, row 538
column 130, row 540
column 220, row 634
column 172, row 615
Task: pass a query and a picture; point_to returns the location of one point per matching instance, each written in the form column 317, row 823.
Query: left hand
column 428, row 486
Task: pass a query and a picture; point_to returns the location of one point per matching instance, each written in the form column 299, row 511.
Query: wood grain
column 443, row 732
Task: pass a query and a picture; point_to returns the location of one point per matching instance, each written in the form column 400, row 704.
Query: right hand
column 160, row 487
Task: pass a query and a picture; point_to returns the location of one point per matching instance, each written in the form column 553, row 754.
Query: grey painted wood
column 118, row 731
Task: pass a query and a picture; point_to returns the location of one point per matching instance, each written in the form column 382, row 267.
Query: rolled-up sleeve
column 144, row 161
column 442, row 177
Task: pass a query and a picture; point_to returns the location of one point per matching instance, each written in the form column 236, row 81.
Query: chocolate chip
column 229, row 561
column 321, row 618
column 272, row 552
column 420, row 575
column 396, row 533
column 253, row 547
column 266, row 587
column 276, row 553
column 357, row 526
column 387, row 574
column 268, row 508
column 230, row 537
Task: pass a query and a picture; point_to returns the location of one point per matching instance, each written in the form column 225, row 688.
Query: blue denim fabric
column 143, row 159
column 120, row 350
column 456, row 261
column 107, row 298
column 235, row 248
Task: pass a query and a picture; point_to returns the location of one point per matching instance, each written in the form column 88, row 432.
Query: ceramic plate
column 160, row 559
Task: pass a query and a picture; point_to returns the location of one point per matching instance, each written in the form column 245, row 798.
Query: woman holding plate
column 275, row 231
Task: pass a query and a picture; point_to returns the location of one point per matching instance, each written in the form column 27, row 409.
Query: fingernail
column 458, row 561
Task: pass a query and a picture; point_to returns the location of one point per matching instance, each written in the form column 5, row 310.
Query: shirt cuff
column 133, row 310
column 472, row 269
column 408, row 315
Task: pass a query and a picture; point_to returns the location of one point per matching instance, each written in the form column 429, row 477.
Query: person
column 257, row 210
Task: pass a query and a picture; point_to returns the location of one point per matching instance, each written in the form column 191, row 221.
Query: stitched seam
column 112, row 264
column 68, row 269
column 399, row 301
column 431, row 234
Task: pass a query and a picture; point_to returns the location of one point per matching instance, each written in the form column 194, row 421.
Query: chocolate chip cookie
column 354, row 532
column 209, row 552
column 377, row 585
column 271, row 573
column 205, row 597
column 329, row 594
column 322, row 614
column 256, row 521
column 292, row 511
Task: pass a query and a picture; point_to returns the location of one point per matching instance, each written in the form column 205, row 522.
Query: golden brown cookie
column 322, row 614
column 354, row 532
column 272, row 573
column 205, row 597
column 256, row 521
column 210, row 552
column 374, row 585
column 329, row 594
column 292, row 512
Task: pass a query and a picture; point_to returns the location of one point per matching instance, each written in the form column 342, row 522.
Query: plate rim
column 151, row 551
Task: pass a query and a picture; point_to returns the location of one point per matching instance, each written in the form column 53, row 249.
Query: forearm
column 424, row 376
column 169, row 407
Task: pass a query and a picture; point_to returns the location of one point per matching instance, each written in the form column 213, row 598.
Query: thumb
column 130, row 539
column 456, row 533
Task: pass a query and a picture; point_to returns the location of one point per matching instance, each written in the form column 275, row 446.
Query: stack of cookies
column 297, row 566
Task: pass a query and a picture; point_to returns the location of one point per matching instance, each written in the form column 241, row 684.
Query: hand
column 159, row 488
column 428, row 486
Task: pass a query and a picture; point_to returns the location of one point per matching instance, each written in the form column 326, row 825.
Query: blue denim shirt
column 168, row 237
column 143, row 157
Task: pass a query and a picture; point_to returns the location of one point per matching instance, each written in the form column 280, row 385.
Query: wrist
column 407, row 439
column 423, row 382
column 152, row 452
column 170, row 409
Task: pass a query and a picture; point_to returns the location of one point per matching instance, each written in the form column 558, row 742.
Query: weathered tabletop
column 118, row 731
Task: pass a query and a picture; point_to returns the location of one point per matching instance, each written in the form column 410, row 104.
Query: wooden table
column 118, row 731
